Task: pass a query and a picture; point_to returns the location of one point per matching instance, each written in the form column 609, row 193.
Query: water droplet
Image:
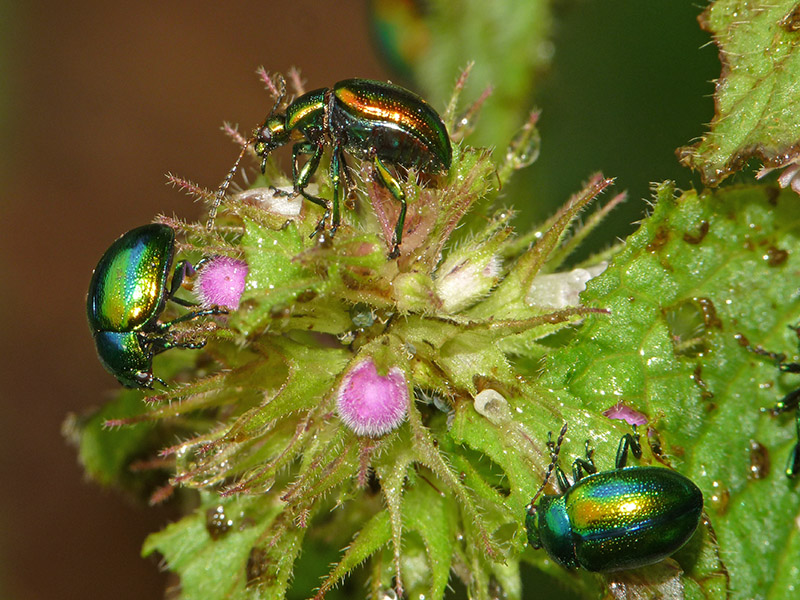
column 217, row 522
column 720, row 497
column 759, row 461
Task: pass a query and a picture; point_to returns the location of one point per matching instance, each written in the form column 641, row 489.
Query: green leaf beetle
column 127, row 294
column 372, row 120
column 619, row 519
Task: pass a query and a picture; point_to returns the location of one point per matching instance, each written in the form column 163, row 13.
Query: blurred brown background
column 104, row 99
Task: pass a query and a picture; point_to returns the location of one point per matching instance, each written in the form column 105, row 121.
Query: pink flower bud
column 625, row 413
column 220, row 282
column 370, row 404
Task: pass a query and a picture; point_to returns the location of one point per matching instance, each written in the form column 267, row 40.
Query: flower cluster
column 355, row 390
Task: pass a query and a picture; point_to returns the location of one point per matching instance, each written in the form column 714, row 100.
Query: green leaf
column 427, row 512
column 375, row 534
column 274, row 278
column 757, row 96
column 311, row 373
column 510, row 298
column 216, row 562
column 701, row 271
column 106, row 453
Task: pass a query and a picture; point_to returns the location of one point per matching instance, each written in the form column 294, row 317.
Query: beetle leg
column 182, row 269
column 182, row 302
column 777, row 357
column 335, row 177
column 628, row 442
column 167, row 345
column 159, row 345
column 389, row 181
column 204, row 312
column 349, row 186
column 589, row 454
column 301, row 176
column 791, row 401
column 561, row 479
column 793, row 463
column 581, row 466
column 280, row 192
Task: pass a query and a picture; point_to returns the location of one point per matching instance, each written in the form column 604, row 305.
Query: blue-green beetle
column 372, row 120
column 127, row 293
column 619, row 519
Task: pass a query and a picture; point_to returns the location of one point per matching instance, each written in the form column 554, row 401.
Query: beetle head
column 270, row 136
column 532, row 526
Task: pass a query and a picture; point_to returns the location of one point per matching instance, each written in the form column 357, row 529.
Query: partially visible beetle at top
column 372, row 120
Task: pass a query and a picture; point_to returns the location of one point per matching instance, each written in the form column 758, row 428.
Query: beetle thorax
column 554, row 529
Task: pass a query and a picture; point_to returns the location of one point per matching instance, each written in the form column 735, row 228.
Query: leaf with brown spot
column 757, row 96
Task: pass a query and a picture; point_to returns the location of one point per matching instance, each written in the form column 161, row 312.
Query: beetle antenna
column 553, row 460
column 275, row 84
column 223, row 188
column 281, row 85
column 279, row 90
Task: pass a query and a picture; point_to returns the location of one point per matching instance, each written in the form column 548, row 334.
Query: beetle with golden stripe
column 371, row 120
column 129, row 290
column 619, row 519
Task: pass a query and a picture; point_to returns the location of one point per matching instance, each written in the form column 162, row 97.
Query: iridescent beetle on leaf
column 371, row 120
column 613, row 520
column 127, row 294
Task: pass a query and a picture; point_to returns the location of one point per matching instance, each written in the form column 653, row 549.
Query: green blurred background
column 100, row 100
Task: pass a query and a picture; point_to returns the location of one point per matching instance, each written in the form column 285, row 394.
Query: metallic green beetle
column 127, row 294
column 372, row 120
column 619, row 519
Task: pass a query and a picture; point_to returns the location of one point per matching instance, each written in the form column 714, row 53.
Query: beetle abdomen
column 394, row 123
column 127, row 286
column 627, row 518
